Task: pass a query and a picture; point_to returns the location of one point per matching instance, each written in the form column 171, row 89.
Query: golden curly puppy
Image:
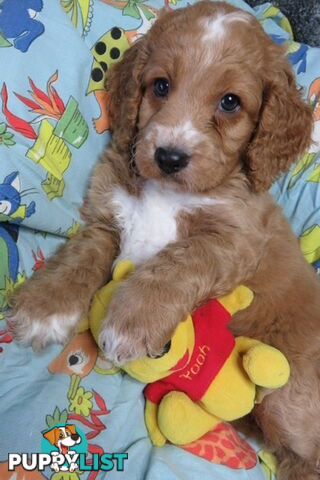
column 205, row 115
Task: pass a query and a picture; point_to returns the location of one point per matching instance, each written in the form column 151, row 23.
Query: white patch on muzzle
column 183, row 136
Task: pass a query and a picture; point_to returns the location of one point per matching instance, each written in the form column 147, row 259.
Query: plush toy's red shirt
column 213, row 345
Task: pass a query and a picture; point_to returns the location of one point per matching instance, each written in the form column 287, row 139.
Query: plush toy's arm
column 151, row 419
column 266, row 366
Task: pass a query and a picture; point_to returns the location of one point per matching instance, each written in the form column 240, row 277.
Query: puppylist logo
column 64, row 448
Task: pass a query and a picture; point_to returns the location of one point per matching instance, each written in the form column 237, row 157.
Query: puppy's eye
column 229, row 103
column 165, row 350
column 161, row 87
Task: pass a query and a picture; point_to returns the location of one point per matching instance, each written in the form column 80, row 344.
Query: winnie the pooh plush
column 204, row 375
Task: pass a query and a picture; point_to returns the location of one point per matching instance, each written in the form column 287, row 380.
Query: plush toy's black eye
column 165, row 350
column 161, row 87
column 229, row 103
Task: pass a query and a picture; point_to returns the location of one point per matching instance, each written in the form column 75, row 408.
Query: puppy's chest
column 149, row 222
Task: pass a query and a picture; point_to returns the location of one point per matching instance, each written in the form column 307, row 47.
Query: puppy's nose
column 171, row 160
column 75, row 436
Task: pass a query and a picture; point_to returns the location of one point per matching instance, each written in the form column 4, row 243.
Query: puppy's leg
column 47, row 307
column 289, row 419
column 293, row 467
column 148, row 306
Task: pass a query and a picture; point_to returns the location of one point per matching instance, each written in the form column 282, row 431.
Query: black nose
column 171, row 160
column 75, row 436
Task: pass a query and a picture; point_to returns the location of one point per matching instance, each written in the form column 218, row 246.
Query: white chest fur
column 149, row 222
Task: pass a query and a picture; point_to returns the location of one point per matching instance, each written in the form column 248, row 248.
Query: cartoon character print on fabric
column 307, row 160
column 77, row 360
column 12, row 213
column 314, row 98
column 81, row 13
column 5, row 338
column 85, row 407
column 310, row 245
column 277, row 16
column 296, row 52
column 18, row 22
column 297, row 55
column 38, row 258
column 6, row 138
column 106, row 51
column 136, row 8
column 50, row 149
column 109, row 49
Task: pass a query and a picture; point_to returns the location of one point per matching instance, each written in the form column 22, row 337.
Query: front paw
column 40, row 331
column 32, row 322
column 137, row 324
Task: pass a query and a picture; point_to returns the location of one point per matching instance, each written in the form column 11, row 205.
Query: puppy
column 205, row 115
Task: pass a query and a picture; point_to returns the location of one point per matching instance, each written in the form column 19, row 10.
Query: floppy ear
column 72, row 429
column 284, row 128
column 51, row 435
column 125, row 91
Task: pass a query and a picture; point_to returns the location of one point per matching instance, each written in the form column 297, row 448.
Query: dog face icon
column 63, row 437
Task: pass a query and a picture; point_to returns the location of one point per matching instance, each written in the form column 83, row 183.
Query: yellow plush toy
column 205, row 375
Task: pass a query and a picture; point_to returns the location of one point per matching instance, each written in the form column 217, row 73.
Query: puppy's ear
column 125, row 91
column 284, row 127
column 51, row 435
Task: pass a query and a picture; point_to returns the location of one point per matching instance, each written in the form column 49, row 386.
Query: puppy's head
column 205, row 94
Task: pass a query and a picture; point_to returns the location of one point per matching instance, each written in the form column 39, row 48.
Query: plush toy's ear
column 51, row 435
column 239, row 299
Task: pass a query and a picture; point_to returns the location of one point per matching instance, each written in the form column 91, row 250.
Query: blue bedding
column 53, row 127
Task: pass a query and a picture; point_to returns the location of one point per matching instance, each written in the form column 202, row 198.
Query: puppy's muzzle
column 171, row 160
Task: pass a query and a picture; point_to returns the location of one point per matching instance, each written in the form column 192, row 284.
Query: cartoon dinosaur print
column 12, row 213
column 17, row 22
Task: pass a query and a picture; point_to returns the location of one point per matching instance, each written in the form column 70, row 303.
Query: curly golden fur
column 217, row 226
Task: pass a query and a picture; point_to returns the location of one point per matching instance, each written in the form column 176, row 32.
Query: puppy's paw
column 137, row 324
column 32, row 321
column 41, row 312
column 39, row 331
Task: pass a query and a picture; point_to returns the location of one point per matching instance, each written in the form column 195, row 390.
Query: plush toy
column 205, row 375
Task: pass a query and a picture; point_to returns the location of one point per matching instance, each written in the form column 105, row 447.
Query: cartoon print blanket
column 53, row 126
